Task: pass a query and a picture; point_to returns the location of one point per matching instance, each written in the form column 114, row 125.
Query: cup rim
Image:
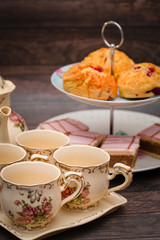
column 17, row 147
column 40, row 130
column 29, row 163
column 76, row 165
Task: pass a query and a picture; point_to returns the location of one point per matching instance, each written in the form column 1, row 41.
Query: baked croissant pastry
column 141, row 81
column 100, row 59
column 89, row 82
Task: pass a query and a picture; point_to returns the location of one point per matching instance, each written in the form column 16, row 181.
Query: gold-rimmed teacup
column 93, row 163
column 10, row 154
column 31, row 193
column 43, row 142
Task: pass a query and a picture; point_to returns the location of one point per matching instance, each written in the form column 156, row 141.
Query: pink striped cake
column 86, row 138
column 65, row 125
column 150, row 140
column 123, row 149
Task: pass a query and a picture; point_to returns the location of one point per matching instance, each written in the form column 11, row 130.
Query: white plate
column 128, row 122
column 57, row 81
column 65, row 219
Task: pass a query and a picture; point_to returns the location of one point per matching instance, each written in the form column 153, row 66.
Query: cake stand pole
column 112, row 47
column 111, row 120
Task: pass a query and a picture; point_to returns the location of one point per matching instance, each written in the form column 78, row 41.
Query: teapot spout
column 5, row 112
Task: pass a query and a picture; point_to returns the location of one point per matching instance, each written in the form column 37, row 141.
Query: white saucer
column 65, row 219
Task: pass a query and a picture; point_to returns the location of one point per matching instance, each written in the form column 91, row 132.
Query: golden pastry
column 100, row 59
column 89, row 82
column 141, row 81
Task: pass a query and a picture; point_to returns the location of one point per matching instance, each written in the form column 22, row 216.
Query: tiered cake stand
column 57, row 82
column 125, row 122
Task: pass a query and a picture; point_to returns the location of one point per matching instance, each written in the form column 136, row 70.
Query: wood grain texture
column 60, row 32
column 79, row 13
column 64, row 46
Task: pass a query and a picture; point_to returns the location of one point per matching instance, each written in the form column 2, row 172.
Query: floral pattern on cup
column 84, row 201
column 30, row 200
column 81, row 199
column 93, row 163
column 33, row 215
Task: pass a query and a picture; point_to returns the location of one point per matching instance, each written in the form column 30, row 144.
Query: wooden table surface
column 36, row 100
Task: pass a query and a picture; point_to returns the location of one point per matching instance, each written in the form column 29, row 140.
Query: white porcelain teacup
column 43, row 142
column 31, row 193
column 9, row 154
column 93, row 163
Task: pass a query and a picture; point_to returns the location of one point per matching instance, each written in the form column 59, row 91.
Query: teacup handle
column 39, row 157
column 120, row 168
column 71, row 177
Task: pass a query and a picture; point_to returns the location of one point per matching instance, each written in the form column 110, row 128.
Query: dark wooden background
column 51, row 32
column 39, row 36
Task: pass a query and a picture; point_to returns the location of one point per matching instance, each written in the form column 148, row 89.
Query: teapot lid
column 6, row 86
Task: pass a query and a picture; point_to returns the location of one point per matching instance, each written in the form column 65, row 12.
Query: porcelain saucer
column 65, row 219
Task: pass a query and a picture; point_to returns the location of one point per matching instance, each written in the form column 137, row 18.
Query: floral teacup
column 43, row 142
column 31, row 193
column 93, row 163
column 9, row 154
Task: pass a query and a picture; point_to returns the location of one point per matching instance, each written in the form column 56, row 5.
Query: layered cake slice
column 123, row 149
column 65, row 125
column 150, row 140
column 86, row 138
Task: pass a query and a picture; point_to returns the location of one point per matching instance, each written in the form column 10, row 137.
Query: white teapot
column 6, row 88
column 4, row 114
column 11, row 124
